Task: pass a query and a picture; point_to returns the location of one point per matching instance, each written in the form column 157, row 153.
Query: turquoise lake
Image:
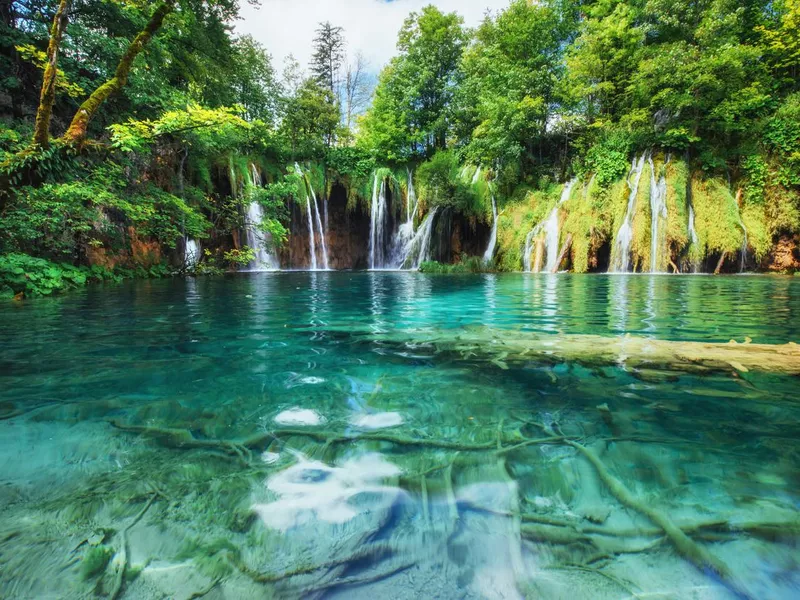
column 390, row 435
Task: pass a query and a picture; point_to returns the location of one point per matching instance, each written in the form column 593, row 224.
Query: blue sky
column 371, row 26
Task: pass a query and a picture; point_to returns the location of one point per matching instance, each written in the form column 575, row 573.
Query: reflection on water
column 373, row 435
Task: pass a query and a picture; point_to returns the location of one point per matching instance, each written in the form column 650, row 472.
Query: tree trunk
column 563, row 253
column 76, row 133
column 41, row 132
column 719, row 264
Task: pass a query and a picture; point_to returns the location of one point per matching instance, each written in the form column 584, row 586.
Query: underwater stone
column 299, row 416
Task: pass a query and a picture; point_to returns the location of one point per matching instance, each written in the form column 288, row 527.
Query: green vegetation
column 117, row 160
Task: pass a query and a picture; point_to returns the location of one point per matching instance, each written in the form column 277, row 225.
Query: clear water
column 140, row 416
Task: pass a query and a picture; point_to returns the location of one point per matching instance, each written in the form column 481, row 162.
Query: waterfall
column 743, row 263
column 191, row 253
column 621, row 252
column 405, row 232
column 526, row 257
column 411, row 199
column 487, row 256
column 418, row 248
column 377, row 222
column 692, row 235
column 312, row 212
column 255, row 238
column 658, row 213
column 319, row 228
column 312, row 251
column 551, row 233
column 477, row 175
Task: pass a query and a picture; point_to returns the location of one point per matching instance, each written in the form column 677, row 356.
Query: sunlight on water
column 401, row 435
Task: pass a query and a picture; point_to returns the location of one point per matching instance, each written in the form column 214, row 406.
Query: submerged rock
column 382, row 420
column 299, row 416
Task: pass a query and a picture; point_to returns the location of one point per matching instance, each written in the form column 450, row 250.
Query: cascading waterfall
column 406, row 230
column 254, row 236
column 487, row 256
column 693, row 235
column 551, row 230
column 743, row 262
column 312, row 213
column 377, row 223
column 477, row 175
column 191, row 253
column 312, row 251
column 551, row 233
column 322, row 243
column 658, row 215
column 621, row 252
column 526, row 257
column 411, row 199
column 418, row 248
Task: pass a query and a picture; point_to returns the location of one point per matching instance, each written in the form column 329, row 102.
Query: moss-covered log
column 631, row 351
column 76, row 133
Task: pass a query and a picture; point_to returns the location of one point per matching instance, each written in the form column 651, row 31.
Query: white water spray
column 487, row 256
column 312, row 212
column 191, row 253
column 477, row 175
column 693, row 236
column 621, row 252
column 658, row 215
column 418, row 248
column 377, row 223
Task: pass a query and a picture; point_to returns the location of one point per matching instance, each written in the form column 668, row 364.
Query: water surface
column 301, row 435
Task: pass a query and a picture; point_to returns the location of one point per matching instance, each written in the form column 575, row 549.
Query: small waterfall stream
column 313, row 215
column 418, row 248
column 255, row 238
column 191, row 253
column 405, row 232
column 477, row 175
column 658, row 215
column 743, row 262
column 377, row 225
column 312, row 251
column 693, row 236
column 621, row 251
column 487, row 256
column 550, row 227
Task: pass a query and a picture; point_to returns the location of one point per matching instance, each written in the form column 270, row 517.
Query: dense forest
column 146, row 138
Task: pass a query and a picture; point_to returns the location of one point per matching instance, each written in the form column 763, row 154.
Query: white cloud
column 287, row 26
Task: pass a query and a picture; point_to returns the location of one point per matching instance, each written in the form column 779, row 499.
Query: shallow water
column 172, row 419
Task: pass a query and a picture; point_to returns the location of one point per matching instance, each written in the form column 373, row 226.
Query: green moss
column 640, row 244
column 716, row 217
column 677, row 174
column 517, row 219
column 758, row 236
column 95, row 561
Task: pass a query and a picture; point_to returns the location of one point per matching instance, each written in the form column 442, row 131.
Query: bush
column 472, row 264
column 26, row 276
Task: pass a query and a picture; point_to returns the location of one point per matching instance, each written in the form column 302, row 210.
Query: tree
column 76, row 133
column 326, row 63
column 356, row 89
column 41, row 132
column 309, row 117
column 508, row 91
column 415, row 90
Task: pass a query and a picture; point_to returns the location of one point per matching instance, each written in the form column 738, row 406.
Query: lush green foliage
column 25, row 276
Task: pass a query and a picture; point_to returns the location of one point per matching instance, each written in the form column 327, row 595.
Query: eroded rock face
column 785, row 255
